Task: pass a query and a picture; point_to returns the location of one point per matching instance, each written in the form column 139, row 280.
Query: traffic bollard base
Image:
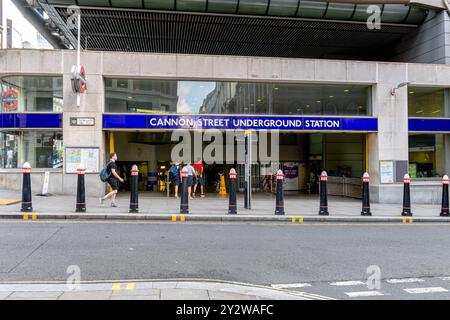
column 406, row 214
column 324, row 212
column 26, row 209
column 133, row 210
column 366, row 213
column 445, row 214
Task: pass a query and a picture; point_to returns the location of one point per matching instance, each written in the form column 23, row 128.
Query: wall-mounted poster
column 88, row 156
column 290, row 170
column 386, row 171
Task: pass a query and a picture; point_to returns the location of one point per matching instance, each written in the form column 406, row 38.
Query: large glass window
column 31, row 94
column 171, row 96
column 427, row 102
column 426, row 155
column 42, row 149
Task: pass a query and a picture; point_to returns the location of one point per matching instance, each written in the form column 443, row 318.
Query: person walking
column 113, row 179
column 190, row 178
column 174, row 173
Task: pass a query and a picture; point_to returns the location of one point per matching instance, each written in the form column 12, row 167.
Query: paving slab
column 184, row 294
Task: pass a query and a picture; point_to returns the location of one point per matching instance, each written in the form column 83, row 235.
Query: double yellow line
column 294, row 219
column 27, row 216
column 182, row 218
column 127, row 286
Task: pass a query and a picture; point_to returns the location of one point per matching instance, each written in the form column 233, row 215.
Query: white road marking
column 347, row 283
column 290, row 285
column 364, row 294
column 404, row 280
column 426, row 290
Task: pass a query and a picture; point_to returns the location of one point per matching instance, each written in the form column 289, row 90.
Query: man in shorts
column 113, row 179
column 190, row 178
column 198, row 168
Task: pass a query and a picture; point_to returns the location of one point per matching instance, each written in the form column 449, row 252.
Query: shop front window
column 42, row 149
column 427, row 102
column 206, row 97
column 426, row 155
column 31, row 94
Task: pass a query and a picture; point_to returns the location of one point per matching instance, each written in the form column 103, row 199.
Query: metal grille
column 165, row 32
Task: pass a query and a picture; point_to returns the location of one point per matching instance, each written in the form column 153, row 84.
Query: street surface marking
column 405, row 280
column 174, row 218
column 347, row 283
column 131, row 286
column 364, row 294
column 116, row 286
column 410, row 220
column 34, row 216
column 25, row 216
column 300, row 220
column 293, row 219
column 290, row 285
column 6, row 202
column 426, row 290
column 182, row 217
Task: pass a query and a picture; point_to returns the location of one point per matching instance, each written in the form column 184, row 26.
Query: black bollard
column 406, row 196
column 232, row 204
column 26, row 188
column 134, row 201
column 81, row 194
column 279, row 204
column 323, row 211
column 365, row 199
column 444, row 209
column 184, row 205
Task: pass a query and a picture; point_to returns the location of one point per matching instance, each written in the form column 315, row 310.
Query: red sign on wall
column 9, row 99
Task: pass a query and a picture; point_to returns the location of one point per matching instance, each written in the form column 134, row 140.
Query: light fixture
column 346, row 90
column 331, row 97
column 275, row 88
column 394, row 90
column 411, row 92
column 419, row 111
column 318, row 101
column 436, row 111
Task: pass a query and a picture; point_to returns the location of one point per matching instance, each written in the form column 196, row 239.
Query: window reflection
column 426, row 155
column 31, row 94
column 192, row 97
column 427, row 102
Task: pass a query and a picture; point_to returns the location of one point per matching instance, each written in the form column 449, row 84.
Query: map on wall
column 87, row 156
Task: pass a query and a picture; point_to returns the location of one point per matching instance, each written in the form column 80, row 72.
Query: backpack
column 173, row 171
column 104, row 174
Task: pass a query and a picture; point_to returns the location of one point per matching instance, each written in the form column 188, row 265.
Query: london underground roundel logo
column 9, row 99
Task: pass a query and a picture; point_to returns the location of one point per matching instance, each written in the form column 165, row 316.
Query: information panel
column 88, row 156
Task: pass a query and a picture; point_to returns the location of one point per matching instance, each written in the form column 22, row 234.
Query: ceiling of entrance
column 277, row 28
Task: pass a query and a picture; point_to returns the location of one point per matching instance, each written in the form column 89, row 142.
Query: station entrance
column 301, row 156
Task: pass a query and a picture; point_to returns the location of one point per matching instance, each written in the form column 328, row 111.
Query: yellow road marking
column 406, row 220
column 25, row 216
column 174, row 218
column 130, row 285
column 300, row 220
column 182, row 217
column 34, row 216
column 116, row 286
column 293, row 219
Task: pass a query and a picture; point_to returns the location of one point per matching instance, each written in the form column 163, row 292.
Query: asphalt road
column 310, row 256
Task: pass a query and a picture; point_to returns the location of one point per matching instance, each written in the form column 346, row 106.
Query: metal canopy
column 170, row 32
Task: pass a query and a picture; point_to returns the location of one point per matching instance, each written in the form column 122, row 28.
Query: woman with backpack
column 112, row 179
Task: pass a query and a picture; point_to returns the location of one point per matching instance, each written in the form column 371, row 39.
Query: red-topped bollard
column 184, row 205
column 232, row 204
column 323, row 211
column 365, row 198
column 81, row 192
column 134, row 201
column 444, row 208
column 279, row 205
column 26, row 188
column 406, row 211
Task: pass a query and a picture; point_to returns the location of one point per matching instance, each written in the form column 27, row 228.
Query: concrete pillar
column 391, row 141
column 92, row 105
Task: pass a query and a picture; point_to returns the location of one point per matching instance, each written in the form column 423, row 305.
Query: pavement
column 155, row 206
column 307, row 261
column 186, row 289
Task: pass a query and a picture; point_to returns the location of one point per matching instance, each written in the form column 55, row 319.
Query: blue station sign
column 205, row 122
column 31, row 120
